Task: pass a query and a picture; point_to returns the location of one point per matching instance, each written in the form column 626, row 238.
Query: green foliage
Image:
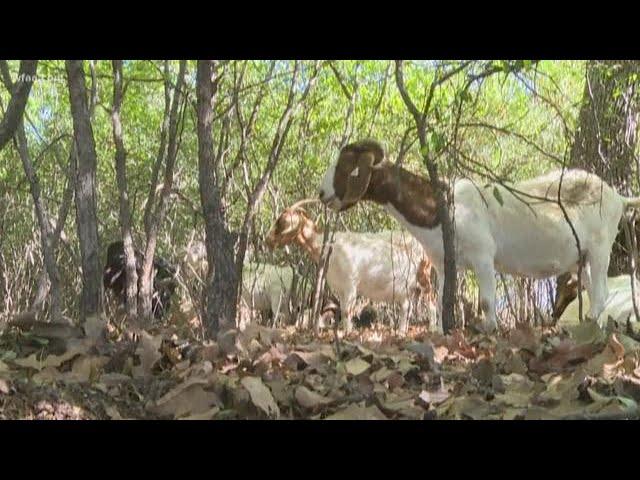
column 506, row 100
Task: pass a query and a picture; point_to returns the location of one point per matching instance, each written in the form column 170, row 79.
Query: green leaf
column 436, row 141
column 498, row 196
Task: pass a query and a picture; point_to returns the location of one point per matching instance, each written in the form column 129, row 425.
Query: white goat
column 496, row 228
column 382, row 267
column 265, row 287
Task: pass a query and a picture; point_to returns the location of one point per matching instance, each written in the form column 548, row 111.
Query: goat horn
column 304, row 202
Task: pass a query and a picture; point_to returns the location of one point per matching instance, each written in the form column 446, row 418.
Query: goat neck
column 410, row 194
column 310, row 238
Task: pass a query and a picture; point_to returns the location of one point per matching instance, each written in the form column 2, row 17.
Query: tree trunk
column 606, row 135
column 155, row 173
column 18, row 102
column 86, row 197
column 444, row 203
column 221, row 276
column 131, row 274
column 48, row 252
column 145, row 290
column 46, row 233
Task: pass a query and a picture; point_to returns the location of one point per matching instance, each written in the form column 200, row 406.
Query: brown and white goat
column 496, row 228
column 384, row 267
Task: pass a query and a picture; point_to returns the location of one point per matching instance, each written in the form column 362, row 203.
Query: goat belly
column 532, row 249
column 532, row 237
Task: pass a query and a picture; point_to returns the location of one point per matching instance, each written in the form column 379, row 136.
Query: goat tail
column 631, row 202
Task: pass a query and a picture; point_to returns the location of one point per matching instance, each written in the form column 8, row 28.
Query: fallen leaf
column 95, row 327
column 56, row 330
column 539, row 413
column 208, row 415
column 357, row 412
column 473, row 407
column 586, row 333
column 309, row 399
column 86, row 368
column 560, row 389
column 111, row 379
column 604, row 404
column 113, row 413
column 46, row 375
column 356, row 366
column 524, row 337
column 281, row 391
column 8, row 355
column 313, row 359
column 270, row 336
column 627, row 386
column 191, row 400
column 405, row 365
column 426, row 350
column 180, row 388
column 52, row 360
column 261, row 396
column 434, row 397
column 483, row 371
column 629, row 344
column 515, row 364
column 149, row 353
column 210, row 351
column 398, row 402
column 322, row 348
column 395, row 380
column 566, row 353
column 227, row 341
column 381, row 374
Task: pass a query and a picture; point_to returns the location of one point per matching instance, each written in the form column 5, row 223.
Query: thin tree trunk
column 18, row 102
column 48, row 252
column 56, row 227
column 155, row 174
column 86, row 196
column 131, row 274
column 321, row 276
column 222, row 280
column 46, row 233
column 444, row 199
column 146, row 281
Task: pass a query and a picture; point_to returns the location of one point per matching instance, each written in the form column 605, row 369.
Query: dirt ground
column 165, row 372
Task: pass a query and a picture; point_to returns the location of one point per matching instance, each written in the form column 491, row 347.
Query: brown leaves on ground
column 263, row 373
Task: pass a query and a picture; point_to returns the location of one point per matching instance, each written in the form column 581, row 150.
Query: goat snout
column 331, row 201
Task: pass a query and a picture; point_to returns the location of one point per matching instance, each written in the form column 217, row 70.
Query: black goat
column 164, row 283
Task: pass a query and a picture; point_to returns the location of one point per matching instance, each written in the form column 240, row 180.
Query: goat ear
column 375, row 148
column 357, row 184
